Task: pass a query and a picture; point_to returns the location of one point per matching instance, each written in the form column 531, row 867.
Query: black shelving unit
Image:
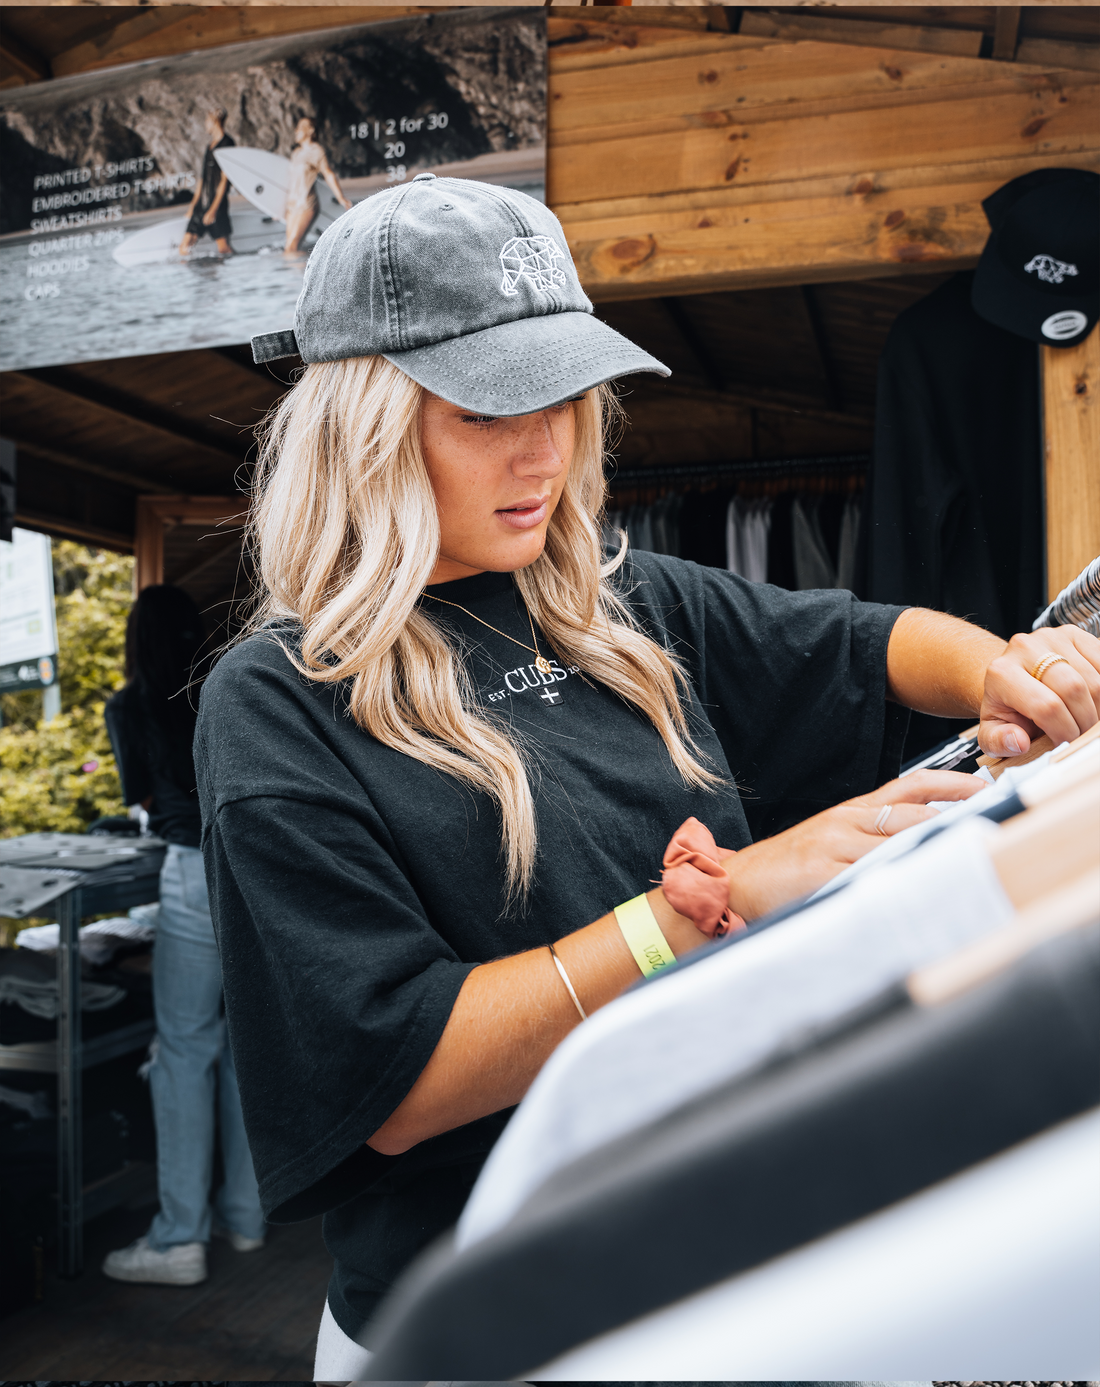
column 69, row 1055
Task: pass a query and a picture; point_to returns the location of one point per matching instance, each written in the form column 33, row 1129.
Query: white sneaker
column 181, row 1265
column 237, row 1241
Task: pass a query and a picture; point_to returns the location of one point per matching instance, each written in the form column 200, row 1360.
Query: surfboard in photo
column 152, row 246
column 264, row 178
column 158, row 244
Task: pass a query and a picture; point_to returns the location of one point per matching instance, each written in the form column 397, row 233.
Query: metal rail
column 700, row 471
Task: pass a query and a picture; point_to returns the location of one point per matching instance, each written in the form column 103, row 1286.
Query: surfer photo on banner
column 208, row 214
column 308, row 163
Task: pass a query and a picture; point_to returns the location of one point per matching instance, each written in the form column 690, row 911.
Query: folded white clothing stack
column 99, row 941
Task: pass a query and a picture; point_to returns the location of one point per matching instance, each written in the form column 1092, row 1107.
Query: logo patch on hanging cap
column 1049, row 270
column 1059, row 326
column 531, row 258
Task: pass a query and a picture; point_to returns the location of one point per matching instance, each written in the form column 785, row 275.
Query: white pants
column 339, row 1359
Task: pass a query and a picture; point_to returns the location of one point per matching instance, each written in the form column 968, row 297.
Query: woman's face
column 497, row 482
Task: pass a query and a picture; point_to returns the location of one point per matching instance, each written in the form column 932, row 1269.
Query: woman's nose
column 536, row 450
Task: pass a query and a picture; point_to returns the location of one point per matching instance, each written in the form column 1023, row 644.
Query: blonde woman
column 460, row 734
column 308, row 162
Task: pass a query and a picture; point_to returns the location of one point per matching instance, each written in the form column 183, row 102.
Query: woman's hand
column 776, row 870
column 940, row 665
column 1066, row 702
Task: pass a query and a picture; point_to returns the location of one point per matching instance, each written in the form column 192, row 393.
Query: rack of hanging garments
column 1078, row 604
column 793, row 522
column 858, row 1137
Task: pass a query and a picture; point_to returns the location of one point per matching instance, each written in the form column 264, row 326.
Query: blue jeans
column 192, row 1074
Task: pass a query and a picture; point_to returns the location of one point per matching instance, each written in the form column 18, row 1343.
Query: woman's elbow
column 395, row 1136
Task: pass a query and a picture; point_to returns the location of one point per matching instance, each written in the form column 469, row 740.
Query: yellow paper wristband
column 643, row 935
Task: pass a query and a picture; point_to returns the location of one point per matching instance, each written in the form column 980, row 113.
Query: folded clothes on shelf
column 29, row 981
column 99, row 941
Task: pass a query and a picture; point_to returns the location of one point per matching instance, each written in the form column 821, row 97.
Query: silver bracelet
column 565, row 979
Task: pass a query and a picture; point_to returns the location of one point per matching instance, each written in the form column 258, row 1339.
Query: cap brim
column 527, row 365
column 1006, row 301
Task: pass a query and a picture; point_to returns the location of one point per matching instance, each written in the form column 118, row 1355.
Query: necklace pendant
column 542, row 664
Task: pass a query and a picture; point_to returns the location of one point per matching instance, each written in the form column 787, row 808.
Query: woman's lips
column 525, row 516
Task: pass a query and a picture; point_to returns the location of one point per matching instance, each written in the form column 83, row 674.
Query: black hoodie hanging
column 955, row 510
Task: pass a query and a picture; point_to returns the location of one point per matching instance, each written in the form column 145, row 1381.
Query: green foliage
column 42, row 783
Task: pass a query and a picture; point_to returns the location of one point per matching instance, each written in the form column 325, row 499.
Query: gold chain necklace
column 542, row 664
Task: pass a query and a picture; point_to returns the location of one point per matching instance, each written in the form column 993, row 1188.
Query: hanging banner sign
column 28, row 630
column 173, row 203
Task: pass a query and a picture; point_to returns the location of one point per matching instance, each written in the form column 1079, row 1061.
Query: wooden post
column 158, row 514
column 1071, row 451
column 148, row 544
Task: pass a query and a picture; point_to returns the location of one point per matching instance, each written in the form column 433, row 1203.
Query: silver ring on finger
column 880, row 822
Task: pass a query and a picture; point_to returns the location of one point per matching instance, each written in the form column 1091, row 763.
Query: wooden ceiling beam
column 207, row 559
column 134, row 482
column 1006, row 32
column 669, row 397
column 72, row 529
column 961, row 43
column 109, row 46
column 162, row 30
column 694, row 343
column 821, row 347
column 130, row 408
column 25, row 61
column 241, row 357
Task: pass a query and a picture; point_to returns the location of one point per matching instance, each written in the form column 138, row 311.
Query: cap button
column 424, row 178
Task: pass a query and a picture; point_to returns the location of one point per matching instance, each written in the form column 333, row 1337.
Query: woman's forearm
column 508, row 1017
column 936, row 663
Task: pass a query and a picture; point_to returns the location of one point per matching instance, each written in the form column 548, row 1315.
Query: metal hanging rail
column 709, row 471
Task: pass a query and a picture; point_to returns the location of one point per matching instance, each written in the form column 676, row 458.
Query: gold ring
column 880, row 821
column 1045, row 663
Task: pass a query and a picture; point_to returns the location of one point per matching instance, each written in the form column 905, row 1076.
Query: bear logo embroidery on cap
column 1050, row 271
column 531, row 258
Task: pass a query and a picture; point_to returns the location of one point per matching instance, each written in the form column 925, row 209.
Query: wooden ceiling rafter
column 135, row 482
column 61, row 527
column 829, row 378
column 775, row 400
column 1006, row 33
column 695, row 344
column 108, row 399
column 207, row 559
column 24, row 59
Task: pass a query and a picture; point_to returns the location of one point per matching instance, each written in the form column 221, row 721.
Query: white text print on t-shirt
column 529, row 679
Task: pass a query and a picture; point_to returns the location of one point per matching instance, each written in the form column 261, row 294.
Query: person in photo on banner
column 470, row 775
column 208, row 214
column 308, row 162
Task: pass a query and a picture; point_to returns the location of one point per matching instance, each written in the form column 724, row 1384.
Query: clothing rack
column 1078, row 604
column 720, row 471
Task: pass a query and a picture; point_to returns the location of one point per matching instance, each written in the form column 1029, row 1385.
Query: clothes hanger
column 1070, row 907
column 1038, row 851
column 997, row 765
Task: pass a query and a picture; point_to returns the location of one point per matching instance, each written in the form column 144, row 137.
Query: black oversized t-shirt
column 353, row 889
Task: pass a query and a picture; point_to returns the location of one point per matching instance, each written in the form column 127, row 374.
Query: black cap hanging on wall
column 1039, row 275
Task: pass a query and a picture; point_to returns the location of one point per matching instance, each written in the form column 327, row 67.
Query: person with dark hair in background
column 151, row 722
column 209, row 210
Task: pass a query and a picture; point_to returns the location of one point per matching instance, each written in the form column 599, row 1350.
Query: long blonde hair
column 345, row 532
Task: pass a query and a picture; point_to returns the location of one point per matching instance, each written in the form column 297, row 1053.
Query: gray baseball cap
column 469, row 288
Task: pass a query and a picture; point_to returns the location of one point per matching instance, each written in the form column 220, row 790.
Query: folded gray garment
column 30, row 981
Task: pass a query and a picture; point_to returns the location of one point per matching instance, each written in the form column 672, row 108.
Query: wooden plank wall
column 684, row 161
column 1071, row 447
